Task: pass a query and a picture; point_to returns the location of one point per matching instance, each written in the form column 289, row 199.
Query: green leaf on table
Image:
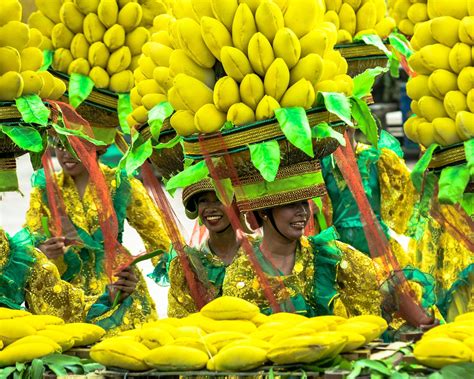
column 228, row 195
column 26, row 137
column 295, row 126
column 418, row 171
column 374, row 40
column 47, row 60
column 188, row 176
column 364, row 82
column 452, row 184
column 324, row 130
column 157, row 115
column 37, row 368
column 338, row 104
column 460, row 370
column 364, row 119
column 265, row 156
column 6, row 372
column 124, row 108
column 170, row 144
column 80, row 87
column 400, row 43
column 33, row 110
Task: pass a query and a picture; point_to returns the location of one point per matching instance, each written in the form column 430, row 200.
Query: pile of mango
column 443, row 88
column 408, row 13
column 24, row 337
column 237, row 61
column 230, row 334
column 21, row 58
column 447, row 344
column 101, row 39
column 358, row 17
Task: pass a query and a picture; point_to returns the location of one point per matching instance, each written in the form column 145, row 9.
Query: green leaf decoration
column 80, row 87
column 37, row 368
column 364, row 82
column 324, row 130
column 188, row 176
column 227, row 125
column 295, row 125
column 364, row 119
column 124, row 108
column 461, row 370
column 338, row 104
column 375, row 40
column 62, row 130
column 469, row 152
column 265, row 156
column 157, row 116
column 421, row 166
column 33, row 110
column 467, row 203
column 47, row 60
column 400, row 43
column 452, row 184
column 226, row 184
column 25, row 137
column 140, row 151
column 168, row 145
column 394, row 66
column 6, row 372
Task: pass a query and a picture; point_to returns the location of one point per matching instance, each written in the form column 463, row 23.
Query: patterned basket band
column 9, row 113
column 449, row 156
column 359, row 50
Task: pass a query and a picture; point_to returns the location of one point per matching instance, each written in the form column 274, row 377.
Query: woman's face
column 69, row 164
column 291, row 219
column 212, row 212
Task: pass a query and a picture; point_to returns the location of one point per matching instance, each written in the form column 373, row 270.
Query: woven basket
column 168, row 162
column 235, row 142
column 9, row 114
column 447, row 156
column 99, row 109
column 360, row 57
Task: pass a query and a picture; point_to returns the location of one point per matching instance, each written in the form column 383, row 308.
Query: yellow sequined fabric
column 4, row 249
column 398, row 195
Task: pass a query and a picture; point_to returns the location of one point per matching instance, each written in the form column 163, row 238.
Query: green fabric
column 326, row 259
column 259, row 190
column 161, row 270
column 444, row 301
column 103, row 305
column 124, row 109
column 388, row 141
column 427, row 283
column 452, row 184
column 33, row 110
column 346, row 216
column 15, row 273
column 75, row 257
column 106, row 135
column 8, row 180
column 467, row 203
column 418, row 171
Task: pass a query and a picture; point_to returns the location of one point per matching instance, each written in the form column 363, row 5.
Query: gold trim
column 9, row 112
column 360, row 51
column 356, row 67
column 448, row 157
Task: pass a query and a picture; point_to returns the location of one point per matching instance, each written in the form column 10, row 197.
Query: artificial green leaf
column 25, row 137
column 92, row 366
column 452, row 184
column 228, row 194
column 467, row 203
column 399, row 375
column 35, row 159
column 171, row 143
column 400, row 43
column 6, row 372
column 324, row 130
column 265, row 156
column 139, row 153
column 188, row 176
column 303, row 374
column 37, row 369
column 47, row 60
column 61, row 129
column 420, row 167
column 61, row 359
column 157, row 115
column 80, row 87
column 394, row 66
column 364, row 119
column 295, row 125
column 271, row 374
column 20, row 366
column 374, row 40
column 460, row 370
column 364, row 82
column 33, row 110
column 338, row 104
column 228, row 125
column 147, row 256
column 124, row 108
column 469, row 152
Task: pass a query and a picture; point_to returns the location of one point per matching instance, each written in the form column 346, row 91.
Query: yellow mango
column 100, row 77
column 119, row 60
column 466, row 79
column 62, row 58
column 62, row 339
column 208, row 119
column 301, row 16
column 406, row 27
column 161, row 36
column 416, row 63
column 59, row 89
column 61, row 36
column 93, row 28
column 326, row 86
column 269, row 19
column 240, row 114
column 176, row 358
column 215, row 35
column 152, row 99
column 277, row 79
column 148, row 86
column 15, row 34
column 155, row 337
column 439, row 352
column 80, row 46
column 11, row 60
column 202, row 8
column 12, row 330
column 121, row 352
column 435, row 56
column 48, row 86
column 316, row 41
column 79, row 66
column 460, row 57
column 183, row 122
column 72, row 17
column 251, row 90
column 32, row 83
column 163, row 21
column 235, row 62
column 160, row 54
column 445, row 131
column 163, row 77
column 466, row 30
column 122, row 81
column 140, row 114
column 347, row 19
column 36, row 38
column 422, row 35
column 287, row 46
column 366, row 17
column 98, row 55
column 136, row 39
column 300, row 94
column 385, row 26
column 179, row 62
column 114, row 37
column 445, row 30
column 369, row 330
column 465, row 125
column 332, row 17
column 260, row 53
column 10, row 11
column 87, row 6
column 226, row 93
column 454, row 102
column 431, row 108
column 453, row 8
column 414, row 107
column 130, row 16
column 310, row 68
column 441, row 82
column 266, row 108
column 192, row 42
column 108, row 12
column 191, row 92
column 411, row 128
column 418, row 12
column 470, row 100
column 243, row 27
column 24, row 353
column 39, row 21
column 224, row 11
column 248, row 357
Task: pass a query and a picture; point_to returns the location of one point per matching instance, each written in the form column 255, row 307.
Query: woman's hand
column 126, row 283
column 53, row 247
column 426, row 327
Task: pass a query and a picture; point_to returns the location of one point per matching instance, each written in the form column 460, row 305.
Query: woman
column 84, row 265
column 210, row 260
column 28, row 277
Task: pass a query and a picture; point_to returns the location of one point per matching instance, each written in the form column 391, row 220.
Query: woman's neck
column 81, row 182
column 225, row 244
column 279, row 250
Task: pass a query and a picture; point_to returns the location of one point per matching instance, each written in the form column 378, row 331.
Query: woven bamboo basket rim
column 9, row 111
column 380, row 57
column 166, row 129
column 448, row 156
column 102, row 98
column 359, row 49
